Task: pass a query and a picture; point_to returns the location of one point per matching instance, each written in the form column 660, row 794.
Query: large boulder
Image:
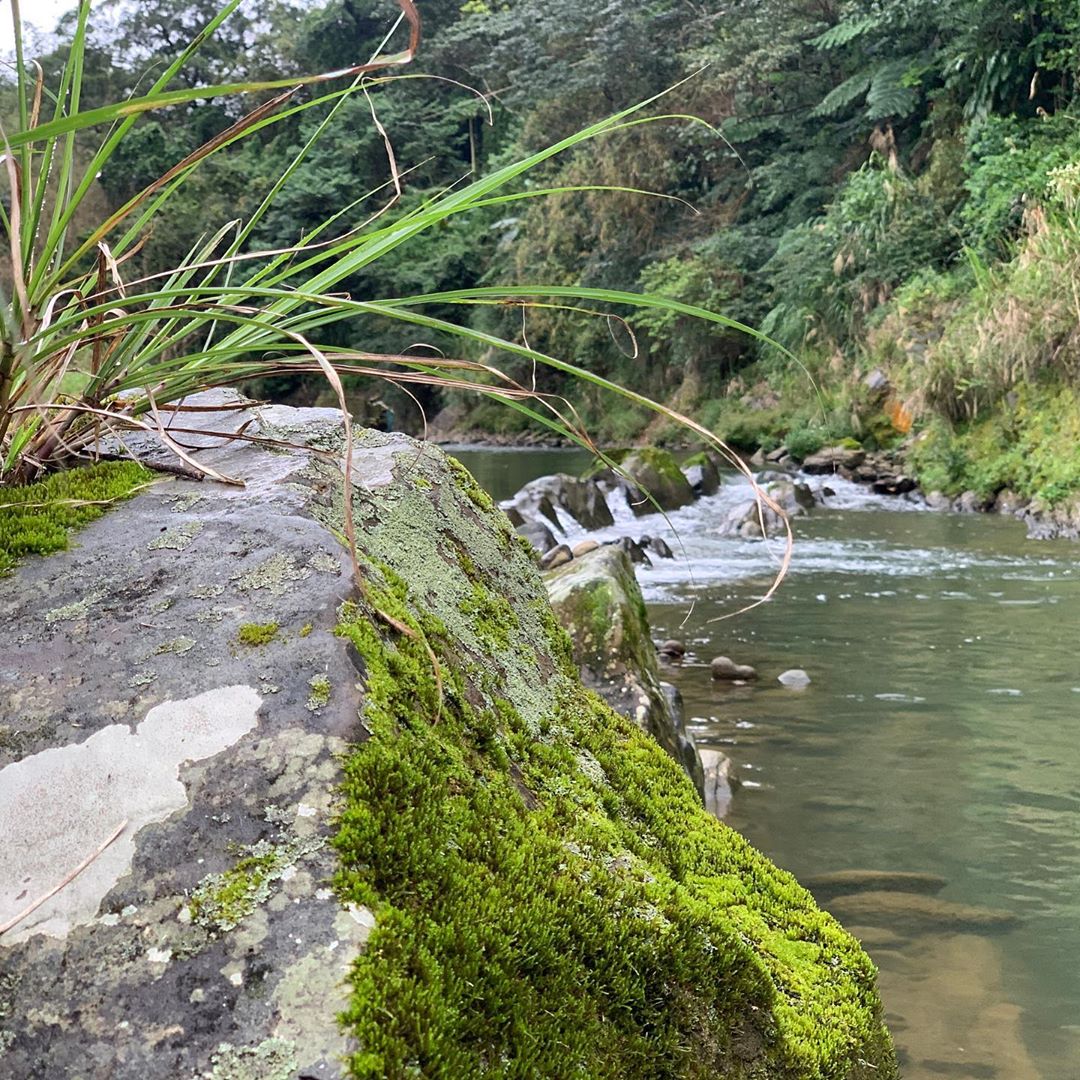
column 651, row 479
column 279, row 812
column 581, row 500
column 834, row 459
column 746, row 520
column 598, row 600
column 702, row 474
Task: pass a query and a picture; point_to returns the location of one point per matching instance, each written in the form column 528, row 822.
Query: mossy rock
column 551, row 897
column 37, row 519
column 597, row 600
column 652, row 479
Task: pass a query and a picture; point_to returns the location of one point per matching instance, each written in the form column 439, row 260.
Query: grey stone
column 538, row 535
column 556, row 557
column 702, row 474
column 723, row 667
column 917, row 912
column 833, row 459
column 581, row 500
column 851, row 881
column 720, row 780
column 671, row 650
column 794, row 679
column 196, row 757
column 651, row 479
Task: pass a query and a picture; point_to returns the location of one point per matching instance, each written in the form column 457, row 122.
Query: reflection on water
column 940, row 734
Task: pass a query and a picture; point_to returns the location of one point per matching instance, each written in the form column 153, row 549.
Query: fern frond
column 839, row 97
column 844, row 32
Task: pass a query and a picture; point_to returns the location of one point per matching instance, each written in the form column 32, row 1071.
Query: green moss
column 1029, row 447
column 557, row 902
column 466, row 483
column 254, row 634
column 36, row 520
column 221, row 901
column 306, row 629
column 320, row 692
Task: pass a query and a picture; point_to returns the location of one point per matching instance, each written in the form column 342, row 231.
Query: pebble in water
column 794, row 679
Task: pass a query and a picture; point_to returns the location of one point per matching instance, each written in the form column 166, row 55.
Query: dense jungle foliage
column 877, row 184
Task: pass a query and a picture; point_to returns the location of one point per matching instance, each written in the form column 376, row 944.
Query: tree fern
column 888, row 96
column 844, row 32
column 849, row 91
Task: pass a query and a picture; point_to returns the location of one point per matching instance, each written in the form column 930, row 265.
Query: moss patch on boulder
column 551, row 897
column 36, row 519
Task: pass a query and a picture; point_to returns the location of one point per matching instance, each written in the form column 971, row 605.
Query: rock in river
column 598, row 601
column 914, row 911
column 851, row 881
column 794, row 679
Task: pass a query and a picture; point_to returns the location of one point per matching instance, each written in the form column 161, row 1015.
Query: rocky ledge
column 285, row 823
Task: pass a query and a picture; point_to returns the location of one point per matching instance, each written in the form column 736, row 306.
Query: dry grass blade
column 67, row 880
column 163, row 433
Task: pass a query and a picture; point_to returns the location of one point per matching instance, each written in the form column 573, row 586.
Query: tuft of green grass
column 37, row 519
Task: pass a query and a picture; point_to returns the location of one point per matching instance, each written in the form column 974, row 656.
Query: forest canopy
column 858, row 163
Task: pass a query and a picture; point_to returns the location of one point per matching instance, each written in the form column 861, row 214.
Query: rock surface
column 913, row 910
column 129, row 700
column 794, row 679
column 651, row 479
column 851, row 881
column 189, row 671
column 597, row 599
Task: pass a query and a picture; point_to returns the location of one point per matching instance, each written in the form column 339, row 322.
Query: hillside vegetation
column 882, row 186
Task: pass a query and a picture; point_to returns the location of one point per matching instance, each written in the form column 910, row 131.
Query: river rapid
column 940, row 734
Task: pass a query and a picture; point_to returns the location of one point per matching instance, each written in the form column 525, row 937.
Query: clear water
column 940, row 733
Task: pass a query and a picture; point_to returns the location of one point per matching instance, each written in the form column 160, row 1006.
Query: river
column 940, row 734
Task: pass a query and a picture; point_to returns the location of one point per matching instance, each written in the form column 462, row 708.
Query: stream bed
column 940, row 735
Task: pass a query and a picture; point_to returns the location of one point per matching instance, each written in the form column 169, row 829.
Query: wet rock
column 637, row 553
column 794, row 679
column 851, row 881
column 538, row 534
column 702, row 474
column 746, row 519
column 651, row 478
column 803, row 496
column 585, row 547
column 915, row 911
column 720, row 780
column 582, row 500
column 671, row 650
column 1008, row 502
column 725, row 669
column 757, row 459
column 598, row 601
column 893, row 485
column 657, row 545
column 970, row 502
column 833, row 459
column 776, row 456
column 557, row 556
column 937, row 500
